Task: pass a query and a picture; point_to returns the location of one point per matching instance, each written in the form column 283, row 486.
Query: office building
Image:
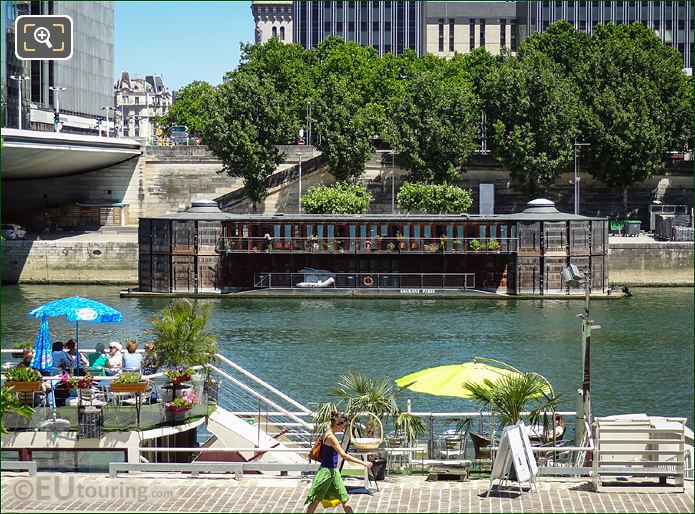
column 460, row 27
column 386, row 26
column 87, row 76
column 138, row 102
column 272, row 19
column 672, row 22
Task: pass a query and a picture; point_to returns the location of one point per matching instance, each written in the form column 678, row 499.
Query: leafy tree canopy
column 433, row 128
column 189, row 108
column 434, row 198
column 341, row 198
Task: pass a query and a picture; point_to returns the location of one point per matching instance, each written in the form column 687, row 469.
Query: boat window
column 319, row 231
column 373, row 231
column 483, row 231
column 276, row 232
column 493, row 231
column 503, row 236
column 416, row 232
column 406, row 232
column 245, row 231
column 427, row 231
column 384, row 230
column 449, row 237
column 330, row 229
column 353, row 234
column 288, row 233
column 309, row 230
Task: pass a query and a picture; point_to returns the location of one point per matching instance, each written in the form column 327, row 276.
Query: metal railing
column 417, row 281
column 368, row 245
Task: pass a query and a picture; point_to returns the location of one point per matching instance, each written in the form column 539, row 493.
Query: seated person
column 27, row 357
column 132, row 360
column 114, row 359
column 540, row 433
column 149, row 359
column 61, row 364
column 97, row 359
column 71, row 355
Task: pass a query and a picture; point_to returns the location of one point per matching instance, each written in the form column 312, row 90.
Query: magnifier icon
column 42, row 35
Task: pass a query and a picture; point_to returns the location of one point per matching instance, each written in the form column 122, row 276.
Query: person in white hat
column 114, row 359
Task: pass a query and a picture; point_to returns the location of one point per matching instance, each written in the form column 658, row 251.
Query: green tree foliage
column 434, row 198
column 433, row 128
column 341, row 198
column 534, row 111
column 189, row 108
column 347, row 114
column 638, row 104
column 243, row 133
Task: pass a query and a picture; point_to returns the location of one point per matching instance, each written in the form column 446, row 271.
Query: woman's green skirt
column 328, row 487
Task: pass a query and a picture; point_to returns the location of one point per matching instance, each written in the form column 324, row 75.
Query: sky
column 181, row 40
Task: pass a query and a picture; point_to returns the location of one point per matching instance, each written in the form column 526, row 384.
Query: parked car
column 12, row 231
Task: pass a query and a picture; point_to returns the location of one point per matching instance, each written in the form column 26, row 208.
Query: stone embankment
column 112, row 258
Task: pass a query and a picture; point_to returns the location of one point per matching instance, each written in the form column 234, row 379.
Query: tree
column 433, row 128
column 342, row 198
column 246, row 118
column 534, row 113
column 638, row 104
column 434, row 198
column 189, row 108
column 345, row 127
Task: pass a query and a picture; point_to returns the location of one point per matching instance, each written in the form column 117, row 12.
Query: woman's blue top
column 329, row 456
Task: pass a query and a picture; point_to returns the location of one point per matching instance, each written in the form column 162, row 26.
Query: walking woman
column 328, row 487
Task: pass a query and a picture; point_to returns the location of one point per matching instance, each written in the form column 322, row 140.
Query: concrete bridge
column 29, row 154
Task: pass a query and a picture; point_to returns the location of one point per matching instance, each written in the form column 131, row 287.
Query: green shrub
column 434, row 198
column 341, row 198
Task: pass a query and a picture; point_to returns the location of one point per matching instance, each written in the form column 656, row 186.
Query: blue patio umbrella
column 78, row 309
column 43, row 355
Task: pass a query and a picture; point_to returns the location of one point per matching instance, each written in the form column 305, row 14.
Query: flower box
column 178, row 380
column 178, row 410
column 25, row 387
column 133, row 387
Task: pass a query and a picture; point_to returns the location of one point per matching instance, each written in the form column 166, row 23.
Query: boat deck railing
column 368, row 245
column 364, row 280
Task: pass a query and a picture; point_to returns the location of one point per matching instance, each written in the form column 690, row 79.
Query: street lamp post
column 576, row 175
column 393, row 178
column 19, row 79
column 57, row 90
column 108, row 108
column 572, row 277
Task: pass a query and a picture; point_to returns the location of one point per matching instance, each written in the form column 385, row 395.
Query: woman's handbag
column 315, row 452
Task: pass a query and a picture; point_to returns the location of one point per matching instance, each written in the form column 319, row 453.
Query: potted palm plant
column 10, row 405
column 23, row 379
column 182, row 340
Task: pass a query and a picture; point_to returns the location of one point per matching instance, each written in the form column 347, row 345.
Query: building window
column 274, row 32
column 441, row 34
column 137, row 100
column 452, row 24
column 503, row 32
column 472, row 34
column 282, row 33
column 482, row 33
column 512, row 29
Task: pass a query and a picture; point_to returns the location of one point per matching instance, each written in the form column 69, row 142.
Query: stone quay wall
column 74, row 262
column 650, row 263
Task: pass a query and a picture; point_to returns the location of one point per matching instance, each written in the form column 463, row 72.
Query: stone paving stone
column 224, row 494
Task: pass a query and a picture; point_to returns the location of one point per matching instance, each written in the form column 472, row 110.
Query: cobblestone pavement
column 154, row 493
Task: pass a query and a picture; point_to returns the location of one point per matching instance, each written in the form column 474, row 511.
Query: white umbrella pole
column 77, row 347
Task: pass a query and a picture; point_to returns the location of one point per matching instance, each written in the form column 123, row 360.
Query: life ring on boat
column 368, row 245
column 368, row 281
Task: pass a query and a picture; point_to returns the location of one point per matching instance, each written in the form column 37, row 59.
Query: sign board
column 487, row 198
column 514, row 449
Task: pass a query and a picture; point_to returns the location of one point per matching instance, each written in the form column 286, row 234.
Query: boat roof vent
column 540, row 206
column 204, row 206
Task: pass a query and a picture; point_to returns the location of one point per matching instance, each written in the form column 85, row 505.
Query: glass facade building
column 386, row 26
column 672, row 22
column 87, row 75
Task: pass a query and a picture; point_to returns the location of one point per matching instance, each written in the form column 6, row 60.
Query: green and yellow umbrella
column 449, row 380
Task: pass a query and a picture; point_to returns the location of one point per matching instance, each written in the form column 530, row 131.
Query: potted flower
column 129, row 382
column 77, row 382
column 181, row 404
column 23, row 379
column 177, row 374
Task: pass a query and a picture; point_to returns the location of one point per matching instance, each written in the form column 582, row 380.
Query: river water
column 642, row 357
